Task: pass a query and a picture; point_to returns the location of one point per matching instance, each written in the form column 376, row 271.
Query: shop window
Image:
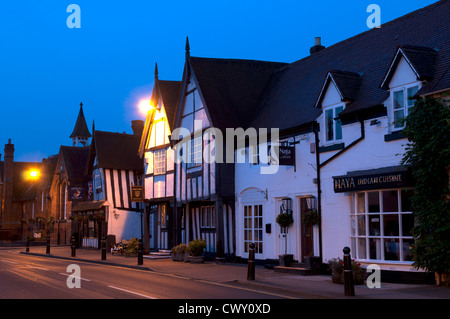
column 381, row 224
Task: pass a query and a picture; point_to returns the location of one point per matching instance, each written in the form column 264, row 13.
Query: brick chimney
column 138, row 127
column 317, row 47
column 8, row 173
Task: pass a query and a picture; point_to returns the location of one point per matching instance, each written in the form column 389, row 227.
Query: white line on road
column 9, row 261
column 132, row 292
column 35, row 267
column 61, row 273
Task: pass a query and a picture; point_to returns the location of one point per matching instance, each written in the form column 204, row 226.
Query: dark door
column 306, row 204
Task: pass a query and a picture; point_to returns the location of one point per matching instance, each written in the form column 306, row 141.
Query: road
column 34, row 277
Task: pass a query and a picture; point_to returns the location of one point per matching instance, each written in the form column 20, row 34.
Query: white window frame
column 361, row 237
column 195, row 154
column 253, row 228
column 335, row 121
column 407, row 104
column 159, row 162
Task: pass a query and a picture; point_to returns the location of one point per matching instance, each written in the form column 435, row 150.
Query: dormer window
column 401, row 104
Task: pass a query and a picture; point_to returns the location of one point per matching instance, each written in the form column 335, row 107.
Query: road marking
column 64, row 274
column 132, row 292
column 9, row 261
column 35, row 267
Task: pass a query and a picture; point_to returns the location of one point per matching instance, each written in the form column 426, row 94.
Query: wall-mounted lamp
column 374, row 122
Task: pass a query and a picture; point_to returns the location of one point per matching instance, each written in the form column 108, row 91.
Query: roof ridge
column 440, row 2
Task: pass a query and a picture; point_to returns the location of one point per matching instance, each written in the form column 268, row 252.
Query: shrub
column 196, row 247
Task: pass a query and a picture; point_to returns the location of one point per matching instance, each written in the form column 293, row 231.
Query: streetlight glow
column 33, row 174
column 145, row 105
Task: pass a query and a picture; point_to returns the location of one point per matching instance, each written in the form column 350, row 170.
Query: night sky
column 47, row 68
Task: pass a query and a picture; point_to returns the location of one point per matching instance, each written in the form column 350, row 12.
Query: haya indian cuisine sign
column 350, row 183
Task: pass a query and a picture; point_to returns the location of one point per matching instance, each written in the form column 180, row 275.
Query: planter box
column 196, row 259
column 338, row 277
column 180, row 257
column 286, row 260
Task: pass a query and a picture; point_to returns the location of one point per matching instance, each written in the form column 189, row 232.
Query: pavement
column 308, row 287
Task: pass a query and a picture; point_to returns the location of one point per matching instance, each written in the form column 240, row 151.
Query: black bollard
column 103, row 244
column 73, row 246
column 47, row 251
column 28, row 245
column 251, row 262
column 349, row 287
column 140, row 252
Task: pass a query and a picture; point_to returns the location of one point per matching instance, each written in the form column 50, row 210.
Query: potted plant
column 196, row 249
column 337, row 271
column 131, row 248
column 311, row 217
column 180, row 252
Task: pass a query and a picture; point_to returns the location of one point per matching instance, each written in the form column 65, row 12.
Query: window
column 195, row 152
column 97, row 182
column 381, row 224
column 253, row 228
column 160, row 162
column 333, row 128
column 207, row 217
column 402, row 103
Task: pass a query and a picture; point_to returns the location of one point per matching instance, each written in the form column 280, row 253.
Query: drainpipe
column 319, row 190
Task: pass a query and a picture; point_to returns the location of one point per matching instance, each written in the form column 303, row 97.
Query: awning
column 88, row 206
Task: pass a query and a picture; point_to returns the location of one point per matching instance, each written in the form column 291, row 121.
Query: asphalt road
column 33, row 277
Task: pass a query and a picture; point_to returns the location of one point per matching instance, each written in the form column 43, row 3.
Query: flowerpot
column 313, row 263
column 286, row 260
column 337, row 277
column 196, row 259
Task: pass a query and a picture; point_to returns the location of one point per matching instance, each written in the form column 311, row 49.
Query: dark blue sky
column 47, row 69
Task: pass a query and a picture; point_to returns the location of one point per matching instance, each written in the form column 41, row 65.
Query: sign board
column 137, row 193
column 76, row 193
column 350, row 183
column 286, row 156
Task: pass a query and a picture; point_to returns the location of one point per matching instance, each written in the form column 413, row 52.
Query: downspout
column 363, row 134
column 315, row 129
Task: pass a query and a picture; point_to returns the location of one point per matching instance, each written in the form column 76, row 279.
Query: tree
column 428, row 157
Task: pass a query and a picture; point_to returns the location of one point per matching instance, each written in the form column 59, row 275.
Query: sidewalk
column 311, row 287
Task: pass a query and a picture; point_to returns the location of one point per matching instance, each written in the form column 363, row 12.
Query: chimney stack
column 8, row 175
column 138, row 127
column 317, row 47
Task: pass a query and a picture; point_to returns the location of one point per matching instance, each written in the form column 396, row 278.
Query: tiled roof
column 290, row 102
column 170, row 91
column 116, row 151
column 232, row 88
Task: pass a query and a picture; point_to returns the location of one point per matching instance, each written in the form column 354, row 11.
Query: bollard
column 47, row 251
column 251, row 262
column 140, row 253
column 349, row 287
column 73, row 246
column 103, row 244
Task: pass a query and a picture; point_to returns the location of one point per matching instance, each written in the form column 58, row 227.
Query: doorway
column 307, row 204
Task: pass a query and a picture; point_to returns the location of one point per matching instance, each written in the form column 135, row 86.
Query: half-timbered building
column 159, row 166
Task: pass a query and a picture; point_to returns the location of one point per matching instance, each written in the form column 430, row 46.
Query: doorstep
column 161, row 254
column 300, row 271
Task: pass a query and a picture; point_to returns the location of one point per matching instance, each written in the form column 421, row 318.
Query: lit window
column 160, row 162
